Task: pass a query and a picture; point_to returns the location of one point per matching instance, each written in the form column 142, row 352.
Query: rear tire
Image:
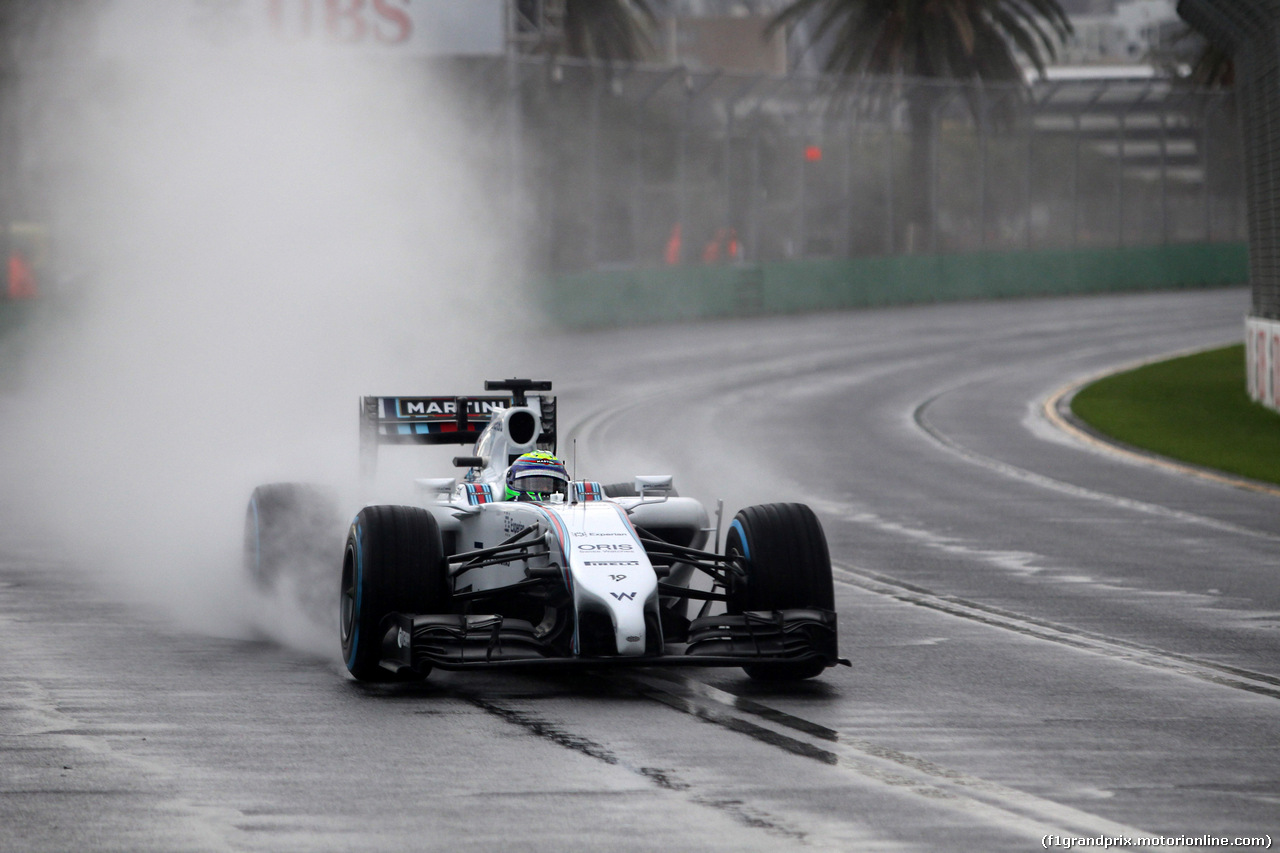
column 393, row 562
column 784, row 553
column 290, row 528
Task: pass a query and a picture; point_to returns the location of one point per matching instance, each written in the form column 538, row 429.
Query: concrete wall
column 665, row 294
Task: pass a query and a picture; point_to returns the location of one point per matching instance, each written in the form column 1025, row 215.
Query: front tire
column 393, row 562
column 782, row 551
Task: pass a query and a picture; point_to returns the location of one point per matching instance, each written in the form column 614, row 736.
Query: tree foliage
column 964, row 39
column 611, row 30
column 1194, row 60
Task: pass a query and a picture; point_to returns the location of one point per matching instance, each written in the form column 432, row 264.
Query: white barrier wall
column 1262, row 359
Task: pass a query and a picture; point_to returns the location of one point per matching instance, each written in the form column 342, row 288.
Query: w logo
column 629, row 596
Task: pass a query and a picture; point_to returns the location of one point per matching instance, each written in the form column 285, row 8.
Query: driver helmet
column 536, row 476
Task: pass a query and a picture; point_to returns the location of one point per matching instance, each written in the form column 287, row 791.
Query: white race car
column 588, row 576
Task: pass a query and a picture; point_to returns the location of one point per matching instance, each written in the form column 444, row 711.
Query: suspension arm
column 505, row 552
column 685, row 592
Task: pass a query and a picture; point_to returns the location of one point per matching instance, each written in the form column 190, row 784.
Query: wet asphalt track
column 1045, row 640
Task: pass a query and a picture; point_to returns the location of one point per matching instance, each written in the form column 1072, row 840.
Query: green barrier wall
column 664, row 294
column 13, row 314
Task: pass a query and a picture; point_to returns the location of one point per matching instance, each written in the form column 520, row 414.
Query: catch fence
column 630, row 167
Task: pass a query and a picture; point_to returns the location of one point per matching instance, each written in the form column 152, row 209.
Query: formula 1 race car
column 589, row 575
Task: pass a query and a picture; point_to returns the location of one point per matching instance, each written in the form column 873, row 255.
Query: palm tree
column 1192, row 59
column 970, row 40
column 961, row 39
column 609, row 30
column 1214, row 68
column 612, row 30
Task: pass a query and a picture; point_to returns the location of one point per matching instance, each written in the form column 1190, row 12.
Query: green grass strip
column 1195, row 409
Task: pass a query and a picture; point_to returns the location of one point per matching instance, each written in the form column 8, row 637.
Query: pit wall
column 666, row 294
column 1262, row 360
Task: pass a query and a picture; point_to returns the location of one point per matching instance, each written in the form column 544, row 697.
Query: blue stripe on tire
column 742, row 537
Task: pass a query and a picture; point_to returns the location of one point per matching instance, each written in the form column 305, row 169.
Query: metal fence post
column 638, row 194
column 1120, row 156
column 980, row 126
column 889, row 224
column 1164, row 179
column 731, row 115
column 593, row 172
column 846, row 188
column 935, row 166
column 682, row 183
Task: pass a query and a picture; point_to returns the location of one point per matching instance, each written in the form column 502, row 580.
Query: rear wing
column 448, row 420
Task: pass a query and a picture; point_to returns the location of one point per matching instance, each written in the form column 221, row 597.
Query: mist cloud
column 259, row 236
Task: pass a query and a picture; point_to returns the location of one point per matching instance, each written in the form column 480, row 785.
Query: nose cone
column 628, row 626
column 611, row 571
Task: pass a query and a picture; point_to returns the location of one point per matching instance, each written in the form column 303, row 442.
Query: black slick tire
column 393, row 562
column 783, row 552
column 290, row 528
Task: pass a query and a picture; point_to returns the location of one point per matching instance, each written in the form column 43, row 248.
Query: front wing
column 452, row 641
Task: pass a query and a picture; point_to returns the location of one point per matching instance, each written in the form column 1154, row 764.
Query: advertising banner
column 387, row 27
column 1262, row 354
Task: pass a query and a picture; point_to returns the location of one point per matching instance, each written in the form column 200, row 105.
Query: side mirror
column 653, row 484
column 439, row 488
